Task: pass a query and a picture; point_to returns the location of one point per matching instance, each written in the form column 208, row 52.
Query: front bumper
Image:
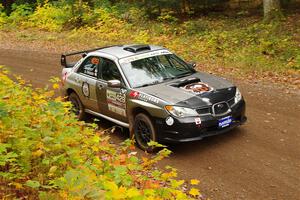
column 186, row 130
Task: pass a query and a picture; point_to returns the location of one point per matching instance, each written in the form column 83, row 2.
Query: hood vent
column 185, row 82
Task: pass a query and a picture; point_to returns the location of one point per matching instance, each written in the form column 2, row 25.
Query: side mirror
column 193, row 64
column 114, row 84
column 63, row 60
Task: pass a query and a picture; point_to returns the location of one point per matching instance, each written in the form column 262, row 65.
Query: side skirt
column 108, row 118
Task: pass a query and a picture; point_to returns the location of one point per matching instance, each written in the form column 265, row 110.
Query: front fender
column 152, row 109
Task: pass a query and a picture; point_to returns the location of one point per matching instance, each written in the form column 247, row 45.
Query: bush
column 20, row 13
column 45, row 152
column 49, row 17
column 167, row 17
column 193, row 27
column 3, row 17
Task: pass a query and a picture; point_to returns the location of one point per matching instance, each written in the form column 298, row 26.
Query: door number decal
column 85, row 89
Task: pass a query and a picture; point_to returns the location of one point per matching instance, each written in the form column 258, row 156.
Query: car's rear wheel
column 144, row 132
column 78, row 108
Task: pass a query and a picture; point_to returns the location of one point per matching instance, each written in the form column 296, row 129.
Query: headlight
column 178, row 111
column 238, row 96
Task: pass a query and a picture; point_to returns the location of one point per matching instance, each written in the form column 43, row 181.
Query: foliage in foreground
column 46, row 152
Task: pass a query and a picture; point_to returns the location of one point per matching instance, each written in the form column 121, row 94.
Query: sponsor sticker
column 85, row 89
column 197, row 88
column 197, row 121
column 134, row 94
column 116, row 102
column 148, row 98
column 224, row 122
column 145, row 55
column 144, row 97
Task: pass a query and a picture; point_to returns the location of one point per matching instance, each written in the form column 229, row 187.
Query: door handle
column 77, row 79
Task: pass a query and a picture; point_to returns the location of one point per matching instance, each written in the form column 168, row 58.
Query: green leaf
column 155, row 144
column 33, row 184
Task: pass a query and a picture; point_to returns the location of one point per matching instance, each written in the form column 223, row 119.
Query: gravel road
column 260, row 160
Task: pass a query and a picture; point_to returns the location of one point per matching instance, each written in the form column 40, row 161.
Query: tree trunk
column 272, row 9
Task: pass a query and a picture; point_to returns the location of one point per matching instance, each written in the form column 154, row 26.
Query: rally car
column 153, row 92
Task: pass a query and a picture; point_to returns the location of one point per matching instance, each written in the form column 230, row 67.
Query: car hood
column 175, row 93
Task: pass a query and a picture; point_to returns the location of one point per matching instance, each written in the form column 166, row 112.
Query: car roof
column 122, row 51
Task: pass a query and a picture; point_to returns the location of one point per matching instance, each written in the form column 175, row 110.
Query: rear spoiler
column 63, row 58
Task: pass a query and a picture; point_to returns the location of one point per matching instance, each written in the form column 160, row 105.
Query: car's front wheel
column 144, row 132
column 78, row 108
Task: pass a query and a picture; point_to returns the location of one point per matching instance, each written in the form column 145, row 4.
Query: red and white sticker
column 134, row 94
column 197, row 121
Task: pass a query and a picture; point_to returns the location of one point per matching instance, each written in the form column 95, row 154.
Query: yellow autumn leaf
column 120, row 193
column 149, row 192
column 195, row 182
column 22, row 82
column 58, row 99
column 175, row 183
column 194, row 192
column 17, row 185
column 180, row 195
column 52, row 170
column 110, row 185
column 132, row 192
column 37, row 153
column 55, row 86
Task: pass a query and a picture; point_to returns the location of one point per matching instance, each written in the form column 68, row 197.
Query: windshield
column 156, row 69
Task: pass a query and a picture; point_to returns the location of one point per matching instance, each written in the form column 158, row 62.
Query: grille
column 231, row 102
column 220, row 108
column 203, row 111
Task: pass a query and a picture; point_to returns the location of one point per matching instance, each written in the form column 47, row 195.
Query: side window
column 90, row 66
column 109, row 70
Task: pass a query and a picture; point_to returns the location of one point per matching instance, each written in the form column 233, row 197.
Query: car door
column 86, row 80
column 111, row 101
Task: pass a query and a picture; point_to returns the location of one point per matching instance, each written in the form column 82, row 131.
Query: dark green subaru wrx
column 153, row 92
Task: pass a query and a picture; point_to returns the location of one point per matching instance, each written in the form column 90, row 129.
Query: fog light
column 169, row 121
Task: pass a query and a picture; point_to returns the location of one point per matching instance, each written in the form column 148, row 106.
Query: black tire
column 78, row 108
column 144, row 132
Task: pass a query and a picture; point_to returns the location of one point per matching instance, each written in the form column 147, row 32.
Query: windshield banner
column 144, row 55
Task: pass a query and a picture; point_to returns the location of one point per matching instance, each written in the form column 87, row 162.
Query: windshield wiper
column 169, row 78
column 180, row 76
column 184, row 74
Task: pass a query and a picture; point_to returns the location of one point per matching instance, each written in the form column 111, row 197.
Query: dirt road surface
column 260, row 160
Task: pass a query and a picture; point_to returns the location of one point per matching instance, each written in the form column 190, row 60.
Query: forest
column 253, row 36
